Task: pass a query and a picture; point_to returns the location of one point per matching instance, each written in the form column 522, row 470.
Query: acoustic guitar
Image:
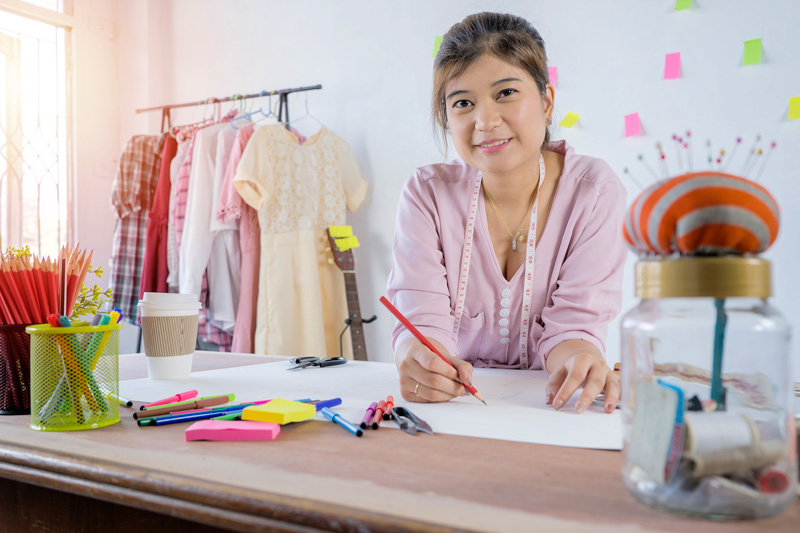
column 343, row 257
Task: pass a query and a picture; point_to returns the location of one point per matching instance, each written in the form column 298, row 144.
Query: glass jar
column 707, row 390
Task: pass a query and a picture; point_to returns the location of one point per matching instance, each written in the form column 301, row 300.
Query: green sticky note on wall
column 682, row 4
column 752, row 52
column 794, row 107
column 570, row 120
column 436, row 44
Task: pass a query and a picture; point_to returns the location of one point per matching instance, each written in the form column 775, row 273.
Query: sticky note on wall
column 672, row 66
column 437, row 42
column 570, row 120
column 633, row 125
column 552, row 73
column 682, row 4
column 794, row 107
column 752, row 52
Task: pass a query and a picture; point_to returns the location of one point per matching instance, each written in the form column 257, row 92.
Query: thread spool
column 734, row 460
column 711, row 432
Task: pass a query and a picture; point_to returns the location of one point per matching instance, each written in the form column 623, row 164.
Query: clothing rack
column 283, row 106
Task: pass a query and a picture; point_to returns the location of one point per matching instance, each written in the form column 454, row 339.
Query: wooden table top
column 317, row 476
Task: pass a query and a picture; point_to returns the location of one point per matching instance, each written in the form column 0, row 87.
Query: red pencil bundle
column 32, row 288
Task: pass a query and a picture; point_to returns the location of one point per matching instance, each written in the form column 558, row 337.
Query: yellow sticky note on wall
column 347, row 243
column 752, row 52
column 682, row 4
column 570, row 120
column 437, row 42
column 340, row 231
column 794, row 107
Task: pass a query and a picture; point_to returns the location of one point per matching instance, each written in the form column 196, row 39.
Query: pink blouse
column 577, row 282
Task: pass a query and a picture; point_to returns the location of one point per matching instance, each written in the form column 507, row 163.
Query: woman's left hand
column 576, row 363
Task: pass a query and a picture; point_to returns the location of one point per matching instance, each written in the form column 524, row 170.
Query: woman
column 519, row 304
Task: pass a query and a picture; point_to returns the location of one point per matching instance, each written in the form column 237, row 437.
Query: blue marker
column 328, row 403
column 337, row 418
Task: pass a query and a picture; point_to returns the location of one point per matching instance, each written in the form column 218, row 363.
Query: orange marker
column 387, row 412
column 376, row 420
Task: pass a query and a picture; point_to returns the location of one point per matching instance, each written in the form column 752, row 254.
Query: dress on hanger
column 299, row 190
column 131, row 198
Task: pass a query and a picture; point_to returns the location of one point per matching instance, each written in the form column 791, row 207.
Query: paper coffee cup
column 169, row 332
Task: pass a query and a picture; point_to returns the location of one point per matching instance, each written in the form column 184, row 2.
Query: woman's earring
column 549, row 122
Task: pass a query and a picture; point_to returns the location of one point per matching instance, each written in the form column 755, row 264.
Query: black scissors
column 410, row 423
column 305, row 362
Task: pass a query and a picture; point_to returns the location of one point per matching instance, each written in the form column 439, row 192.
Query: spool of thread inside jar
column 718, row 430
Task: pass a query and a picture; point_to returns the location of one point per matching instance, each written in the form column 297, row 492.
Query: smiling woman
column 546, row 304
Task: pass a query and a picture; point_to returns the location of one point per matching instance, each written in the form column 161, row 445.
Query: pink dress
column 577, row 280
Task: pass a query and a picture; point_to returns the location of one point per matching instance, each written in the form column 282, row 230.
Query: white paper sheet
column 516, row 409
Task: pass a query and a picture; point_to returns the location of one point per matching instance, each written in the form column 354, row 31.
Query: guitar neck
column 354, row 310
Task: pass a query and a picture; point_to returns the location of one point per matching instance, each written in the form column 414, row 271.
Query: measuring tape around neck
column 466, row 256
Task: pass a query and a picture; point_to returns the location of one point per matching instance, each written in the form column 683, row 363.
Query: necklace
column 520, row 235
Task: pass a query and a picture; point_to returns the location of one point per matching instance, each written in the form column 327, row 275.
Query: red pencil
column 421, row 338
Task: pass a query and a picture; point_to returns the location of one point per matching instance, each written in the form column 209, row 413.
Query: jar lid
column 695, row 277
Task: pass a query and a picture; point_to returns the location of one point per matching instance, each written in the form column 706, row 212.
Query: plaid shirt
column 131, row 198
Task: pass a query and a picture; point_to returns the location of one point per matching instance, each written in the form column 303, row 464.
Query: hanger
column 249, row 116
column 307, row 115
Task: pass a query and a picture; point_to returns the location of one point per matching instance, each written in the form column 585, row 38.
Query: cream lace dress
column 298, row 191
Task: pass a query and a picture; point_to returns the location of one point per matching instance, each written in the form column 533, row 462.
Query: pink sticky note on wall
column 552, row 72
column 632, row 125
column 233, row 430
column 672, row 66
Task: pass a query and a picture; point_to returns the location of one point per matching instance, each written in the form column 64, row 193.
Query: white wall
column 374, row 61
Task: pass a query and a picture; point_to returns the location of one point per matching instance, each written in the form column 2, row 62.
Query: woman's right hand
column 424, row 377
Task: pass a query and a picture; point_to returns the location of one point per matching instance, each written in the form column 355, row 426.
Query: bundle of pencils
column 32, row 288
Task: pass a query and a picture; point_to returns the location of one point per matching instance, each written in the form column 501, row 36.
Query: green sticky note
column 682, row 4
column 570, row 120
column 794, row 107
column 752, row 52
column 436, row 44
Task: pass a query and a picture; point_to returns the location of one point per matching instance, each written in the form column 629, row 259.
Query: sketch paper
column 516, row 409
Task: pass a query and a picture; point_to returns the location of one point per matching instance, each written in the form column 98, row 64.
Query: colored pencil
column 421, row 338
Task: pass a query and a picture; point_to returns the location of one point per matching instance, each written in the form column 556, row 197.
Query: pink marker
column 180, row 397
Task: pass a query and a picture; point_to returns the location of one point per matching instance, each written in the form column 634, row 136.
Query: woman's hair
column 508, row 37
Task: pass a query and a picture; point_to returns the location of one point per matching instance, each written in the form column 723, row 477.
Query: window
column 33, row 132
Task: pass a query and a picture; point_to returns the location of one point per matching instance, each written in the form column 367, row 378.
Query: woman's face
column 497, row 116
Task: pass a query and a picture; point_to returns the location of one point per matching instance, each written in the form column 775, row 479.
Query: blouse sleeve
column 588, row 293
column 355, row 188
column 417, row 284
column 254, row 175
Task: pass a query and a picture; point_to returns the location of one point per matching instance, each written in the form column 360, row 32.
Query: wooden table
column 314, row 477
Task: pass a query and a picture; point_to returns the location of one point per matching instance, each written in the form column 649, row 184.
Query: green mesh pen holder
column 15, row 370
column 74, row 372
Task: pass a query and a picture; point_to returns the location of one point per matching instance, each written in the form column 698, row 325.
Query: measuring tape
column 466, row 255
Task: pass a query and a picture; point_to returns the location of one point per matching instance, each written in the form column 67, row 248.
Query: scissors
column 305, row 362
column 410, row 423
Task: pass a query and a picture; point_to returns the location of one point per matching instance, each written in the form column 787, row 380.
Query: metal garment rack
column 283, row 106
column 283, row 116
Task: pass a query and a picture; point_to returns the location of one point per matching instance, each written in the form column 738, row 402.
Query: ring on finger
column 416, row 390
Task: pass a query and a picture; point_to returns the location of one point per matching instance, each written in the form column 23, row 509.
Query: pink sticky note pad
column 672, row 66
column 632, row 125
column 232, row 430
column 552, row 72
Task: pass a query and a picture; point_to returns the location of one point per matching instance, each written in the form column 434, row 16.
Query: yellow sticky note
column 340, row 231
column 436, row 44
column 347, row 243
column 794, row 107
column 280, row 411
column 570, row 120
column 752, row 52
column 682, row 4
